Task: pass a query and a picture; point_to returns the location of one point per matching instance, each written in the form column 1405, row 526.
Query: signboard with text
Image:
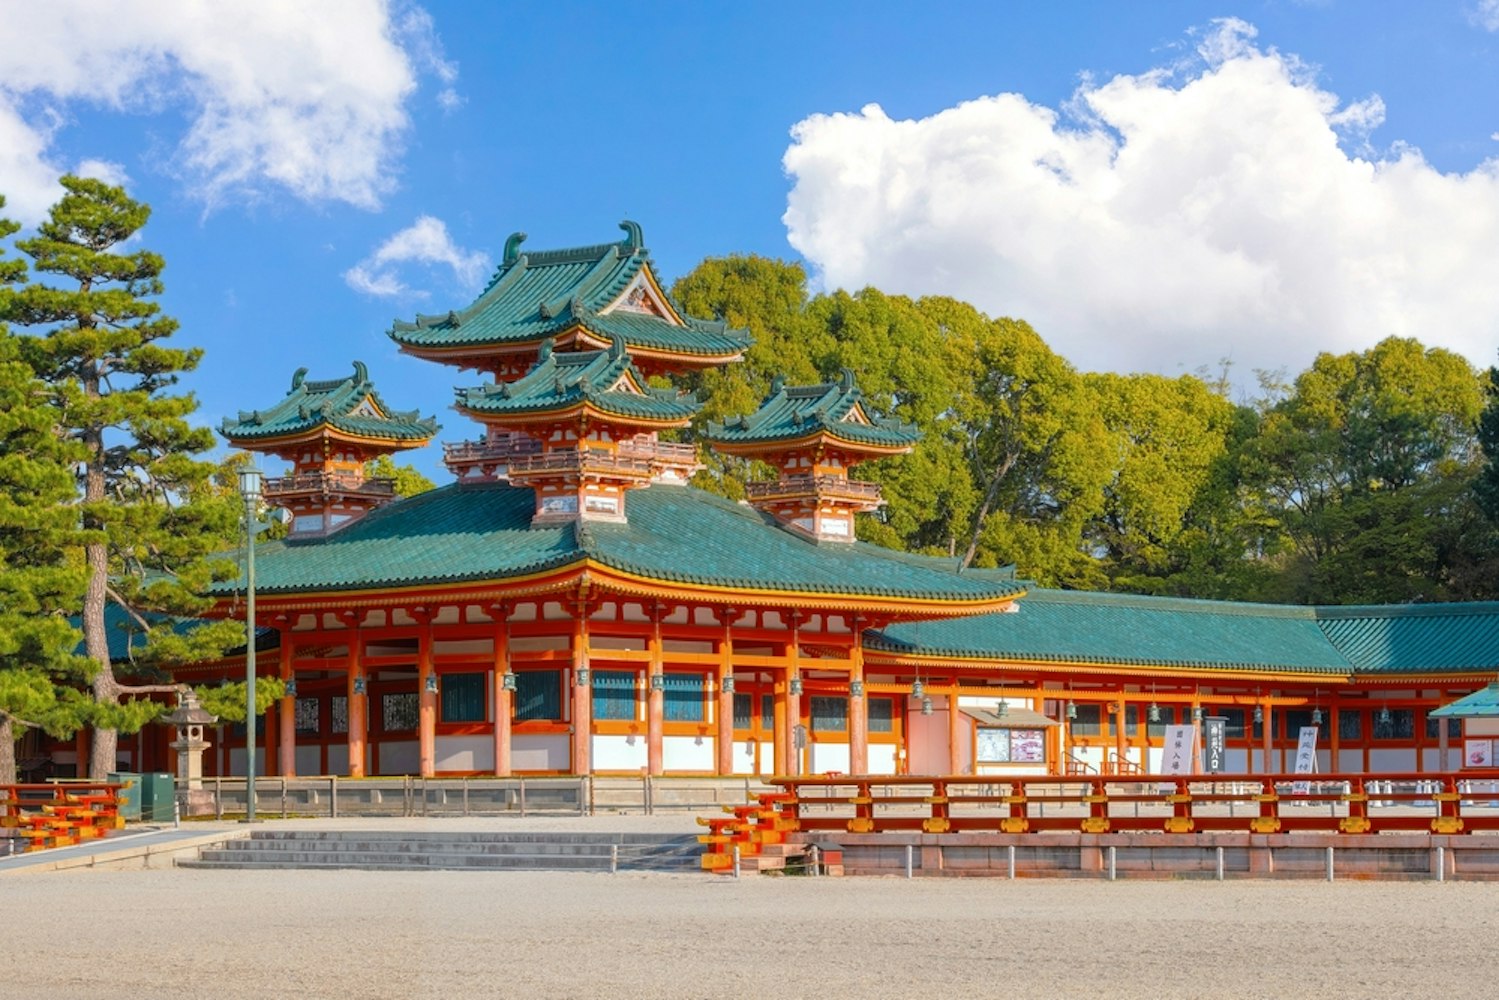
column 1214, row 742
column 1306, row 759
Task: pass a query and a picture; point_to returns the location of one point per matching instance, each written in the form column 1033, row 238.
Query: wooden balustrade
column 824, row 485
column 329, row 482
column 58, row 814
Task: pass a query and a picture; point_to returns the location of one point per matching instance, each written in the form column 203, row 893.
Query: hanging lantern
column 1316, row 716
column 1197, row 714
column 795, row 687
column 1259, row 715
column 1155, row 712
column 917, row 688
column 1071, row 709
column 1384, row 716
column 1002, row 709
column 926, row 706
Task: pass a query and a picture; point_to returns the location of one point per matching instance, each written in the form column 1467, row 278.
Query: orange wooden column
column 954, row 747
column 858, row 709
column 1265, row 740
column 725, row 742
column 655, row 696
column 358, row 708
column 582, row 700
column 504, row 698
column 1119, row 748
column 286, row 742
column 426, row 690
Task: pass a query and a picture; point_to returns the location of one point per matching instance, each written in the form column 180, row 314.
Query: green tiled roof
column 562, row 380
column 1124, row 630
column 123, row 634
column 1415, row 637
column 1481, row 704
column 350, row 405
column 537, row 295
column 792, row 412
column 675, row 533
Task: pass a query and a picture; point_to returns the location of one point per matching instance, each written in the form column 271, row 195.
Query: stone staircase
column 487, row 851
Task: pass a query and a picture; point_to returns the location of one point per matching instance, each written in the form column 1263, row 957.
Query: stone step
column 476, row 837
column 274, row 847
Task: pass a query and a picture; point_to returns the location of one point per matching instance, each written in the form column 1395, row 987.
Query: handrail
column 1173, row 803
column 325, row 482
column 1076, row 765
column 824, row 484
column 1123, row 765
column 579, row 460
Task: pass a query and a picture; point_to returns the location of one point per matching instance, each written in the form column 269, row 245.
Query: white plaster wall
column 465, row 753
column 310, row 760
column 824, row 757
column 1350, row 760
column 687, row 753
column 620, row 753
column 744, row 757
column 338, row 758
column 1431, row 758
column 401, row 757
column 1393, row 760
column 1481, row 727
column 882, row 758
column 541, row 752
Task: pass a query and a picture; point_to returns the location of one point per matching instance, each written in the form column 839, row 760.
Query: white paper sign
column 1306, row 759
column 1478, row 753
column 1179, row 752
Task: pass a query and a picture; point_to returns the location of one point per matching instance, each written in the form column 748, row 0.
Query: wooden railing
column 1434, row 803
column 329, row 482
column 58, row 814
column 579, row 460
column 821, row 485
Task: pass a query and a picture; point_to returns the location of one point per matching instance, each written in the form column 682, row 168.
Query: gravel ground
column 233, row 934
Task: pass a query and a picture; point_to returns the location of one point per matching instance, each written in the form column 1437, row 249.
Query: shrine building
column 570, row 604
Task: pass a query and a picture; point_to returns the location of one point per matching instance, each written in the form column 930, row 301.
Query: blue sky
column 1154, row 186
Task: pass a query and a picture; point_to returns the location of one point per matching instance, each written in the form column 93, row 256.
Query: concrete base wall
column 1292, row 855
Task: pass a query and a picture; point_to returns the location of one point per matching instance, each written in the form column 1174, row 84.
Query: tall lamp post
column 249, row 488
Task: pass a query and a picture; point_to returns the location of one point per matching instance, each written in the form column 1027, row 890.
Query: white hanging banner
column 1306, row 759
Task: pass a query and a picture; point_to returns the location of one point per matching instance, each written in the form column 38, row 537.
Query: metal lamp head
column 1196, row 713
column 658, row 682
column 1316, row 716
column 1155, row 712
column 291, row 687
column 249, row 483
column 1071, row 709
column 917, row 689
column 728, row 685
column 1002, row 709
column 582, row 677
column 795, row 687
column 856, row 689
column 508, row 681
column 359, row 687
column 1259, row 715
column 926, row 705
column 1384, row 716
column 431, row 683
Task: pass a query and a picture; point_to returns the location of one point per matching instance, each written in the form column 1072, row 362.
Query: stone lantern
column 190, row 718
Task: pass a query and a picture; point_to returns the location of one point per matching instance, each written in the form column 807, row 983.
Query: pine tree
column 38, row 588
column 149, row 515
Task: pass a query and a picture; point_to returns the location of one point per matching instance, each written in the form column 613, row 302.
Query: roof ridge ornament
column 297, row 378
column 361, row 373
column 512, row 248
column 545, row 349
column 634, row 240
column 846, row 379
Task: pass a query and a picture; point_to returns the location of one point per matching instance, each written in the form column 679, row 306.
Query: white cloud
column 308, row 98
column 425, row 241
column 1161, row 221
column 1485, row 14
column 103, row 170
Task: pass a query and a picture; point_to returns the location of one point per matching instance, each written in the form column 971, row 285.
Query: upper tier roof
column 350, row 406
column 792, row 413
column 605, row 381
column 548, row 293
column 676, row 534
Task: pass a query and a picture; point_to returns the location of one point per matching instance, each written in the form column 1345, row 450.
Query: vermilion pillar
column 426, row 684
column 858, row 710
column 954, row 732
column 655, row 697
column 582, row 700
column 358, row 709
column 725, row 743
column 504, row 699
column 286, row 743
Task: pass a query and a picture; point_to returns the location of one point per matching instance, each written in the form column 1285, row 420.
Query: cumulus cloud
column 306, row 98
column 1224, row 207
column 425, row 241
column 1485, row 14
column 103, row 170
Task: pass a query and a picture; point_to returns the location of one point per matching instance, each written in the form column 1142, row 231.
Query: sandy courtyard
column 231, row 934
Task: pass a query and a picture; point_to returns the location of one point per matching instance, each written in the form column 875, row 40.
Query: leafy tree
column 38, row 586
column 227, row 700
column 1486, row 483
column 148, row 512
column 408, row 481
column 1360, row 468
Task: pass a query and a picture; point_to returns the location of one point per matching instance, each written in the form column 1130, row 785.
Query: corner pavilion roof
column 606, row 381
column 1402, row 638
column 836, row 409
column 350, row 405
column 547, row 293
column 675, row 534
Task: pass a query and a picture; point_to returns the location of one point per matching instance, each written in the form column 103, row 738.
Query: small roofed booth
column 1479, row 713
column 1009, row 739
